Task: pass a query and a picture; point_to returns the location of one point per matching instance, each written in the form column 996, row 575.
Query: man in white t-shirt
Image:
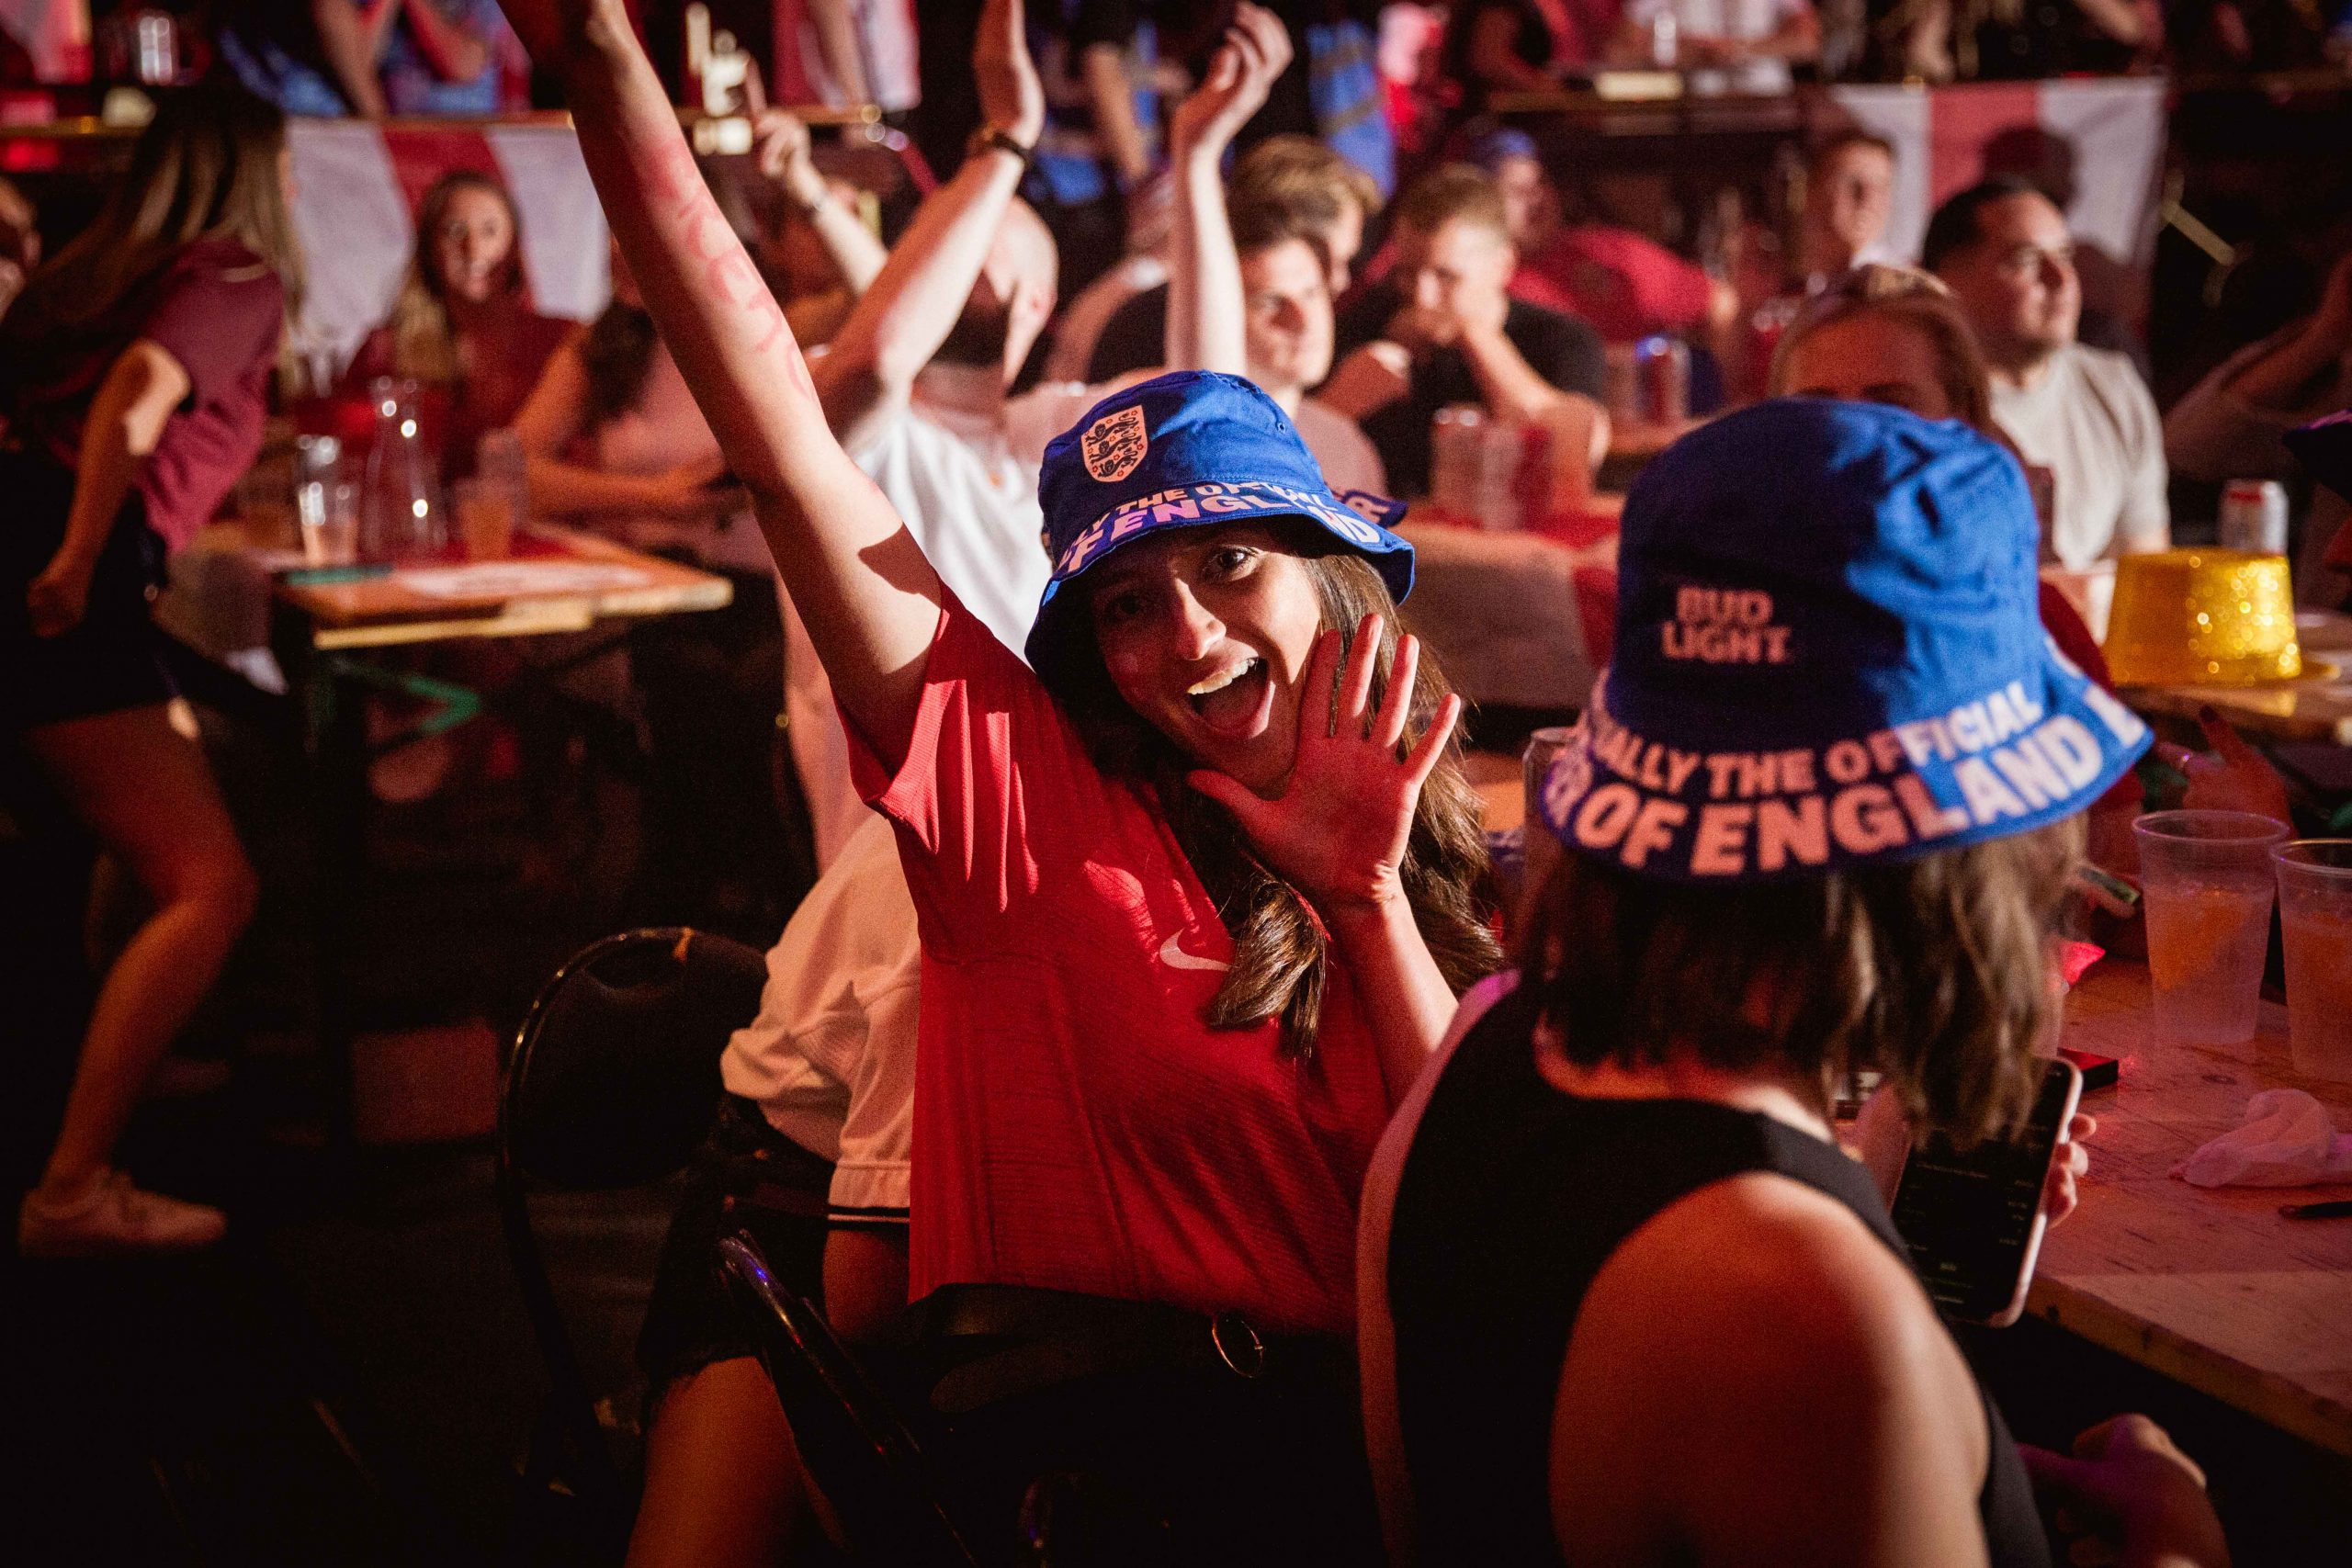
column 830, row 1058
column 915, row 386
column 2082, row 413
column 1724, row 46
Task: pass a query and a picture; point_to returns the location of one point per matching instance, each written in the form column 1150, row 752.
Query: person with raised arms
column 1196, row 895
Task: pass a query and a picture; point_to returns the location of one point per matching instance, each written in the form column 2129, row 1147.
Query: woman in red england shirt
column 132, row 372
column 1195, row 898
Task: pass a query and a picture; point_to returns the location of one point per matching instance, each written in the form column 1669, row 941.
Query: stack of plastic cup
column 2315, row 921
column 2207, row 882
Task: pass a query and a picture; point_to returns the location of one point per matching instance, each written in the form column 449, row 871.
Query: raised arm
column 908, row 310
column 860, row 582
column 352, row 36
column 455, row 50
column 785, row 157
column 1205, row 303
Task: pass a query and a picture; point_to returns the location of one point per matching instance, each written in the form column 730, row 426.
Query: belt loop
column 1237, row 1345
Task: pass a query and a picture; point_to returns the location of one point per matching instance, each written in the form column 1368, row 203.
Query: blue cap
column 1491, row 150
column 1830, row 654
column 1187, row 450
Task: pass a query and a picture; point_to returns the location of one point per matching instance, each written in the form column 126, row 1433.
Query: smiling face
column 1286, row 319
column 1206, row 633
column 472, row 243
column 2017, row 281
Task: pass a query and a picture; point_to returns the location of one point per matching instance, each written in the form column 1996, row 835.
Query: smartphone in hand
column 1973, row 1219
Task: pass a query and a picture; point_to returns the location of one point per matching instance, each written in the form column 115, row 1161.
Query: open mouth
column 1234, row 701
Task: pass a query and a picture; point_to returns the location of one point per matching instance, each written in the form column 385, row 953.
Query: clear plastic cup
column 330, row 520
column 486, row 518
column 2207, row 882
column 2315, row 921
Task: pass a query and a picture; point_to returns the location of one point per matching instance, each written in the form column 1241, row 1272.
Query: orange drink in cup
column 2315, row 921
column 2207, row 885
column 485, row 519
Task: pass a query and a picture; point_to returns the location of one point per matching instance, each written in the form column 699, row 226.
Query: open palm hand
column 1339, row 829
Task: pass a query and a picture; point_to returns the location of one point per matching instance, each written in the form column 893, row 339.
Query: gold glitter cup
column 2202, row 618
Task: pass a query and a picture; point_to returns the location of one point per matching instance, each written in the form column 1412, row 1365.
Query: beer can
column 2253, row 516
column 1662, row 371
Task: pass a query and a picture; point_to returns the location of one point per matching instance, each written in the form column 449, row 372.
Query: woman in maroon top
column 463, row 327
column 131, row 380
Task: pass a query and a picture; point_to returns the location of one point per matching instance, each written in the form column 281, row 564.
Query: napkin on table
column 2287, row 1140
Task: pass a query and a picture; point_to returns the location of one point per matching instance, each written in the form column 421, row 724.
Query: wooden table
column 2316, row 709
column 2207, row 1286
column 561, row 581
column 323, row 624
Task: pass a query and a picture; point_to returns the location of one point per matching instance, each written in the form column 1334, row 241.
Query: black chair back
column 613, row 1083
column 615, row 1068
column 859, row 1450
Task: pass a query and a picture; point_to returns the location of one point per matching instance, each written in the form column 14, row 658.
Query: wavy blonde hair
column 424, row 341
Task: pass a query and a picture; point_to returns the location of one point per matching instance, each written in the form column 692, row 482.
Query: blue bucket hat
column 1184, row 450
column 1830, row 655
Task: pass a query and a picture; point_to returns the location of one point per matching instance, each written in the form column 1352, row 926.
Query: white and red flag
column 2099, row 144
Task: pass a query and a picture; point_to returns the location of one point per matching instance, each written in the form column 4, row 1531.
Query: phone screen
column 1973, row 1218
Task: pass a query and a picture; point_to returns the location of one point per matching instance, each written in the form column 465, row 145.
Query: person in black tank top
column 1625, row 1301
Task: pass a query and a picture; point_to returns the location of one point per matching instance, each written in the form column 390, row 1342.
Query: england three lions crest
column 1115, row 444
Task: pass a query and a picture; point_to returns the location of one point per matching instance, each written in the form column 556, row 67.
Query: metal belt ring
column 1237, row 1344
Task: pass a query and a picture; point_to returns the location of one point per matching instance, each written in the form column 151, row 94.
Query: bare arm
column 869, row 599
column 856, row 253
column 1204, row 302
column 1102, row 69
column 1368, row 379
column 837, row 41
column 556, row 414
column 2125, row 21
column 1506, row 383
column 909, row 310
column 126, row 420
column 1798, row 38
column 454, row 51
column 1855, row 1438
column 2300, row 374
column 352, row 35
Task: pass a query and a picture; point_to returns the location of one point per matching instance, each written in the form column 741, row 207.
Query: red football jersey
column 1077, row 1127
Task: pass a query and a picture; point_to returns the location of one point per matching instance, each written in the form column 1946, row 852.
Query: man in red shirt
column 1626, row 286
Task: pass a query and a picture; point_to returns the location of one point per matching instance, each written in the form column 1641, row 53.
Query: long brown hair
column 1281, row 954
column 1933, row 972
column 424, row 342
column 205, row 168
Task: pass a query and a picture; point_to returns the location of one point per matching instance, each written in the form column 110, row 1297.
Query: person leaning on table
column 1624, row 1299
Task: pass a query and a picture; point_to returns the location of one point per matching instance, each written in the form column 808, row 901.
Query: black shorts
column 747, row 1176
column 111, row 660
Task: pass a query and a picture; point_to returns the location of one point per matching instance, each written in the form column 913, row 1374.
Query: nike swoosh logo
column 1175, row 957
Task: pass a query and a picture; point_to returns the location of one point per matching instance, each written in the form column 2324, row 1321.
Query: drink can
column 1662, row 369
column 1666, row 45
column 2253, row 516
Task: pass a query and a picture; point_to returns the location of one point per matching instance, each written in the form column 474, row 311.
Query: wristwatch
column 995, row 138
